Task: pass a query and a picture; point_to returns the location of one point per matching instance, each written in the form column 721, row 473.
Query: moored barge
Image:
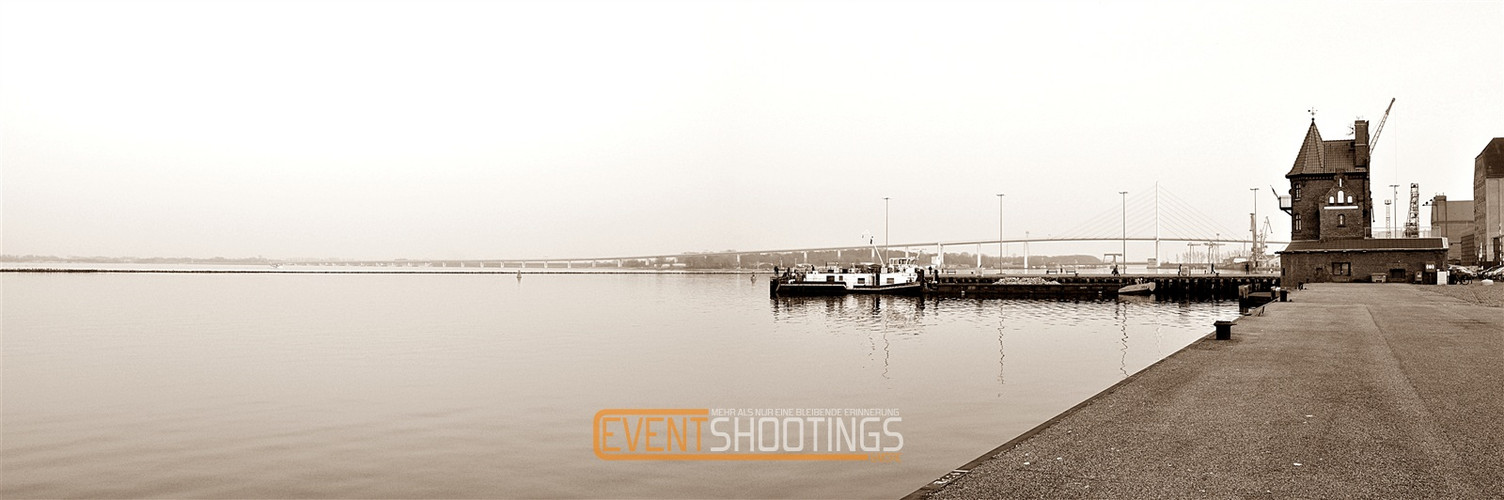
column 900, row 276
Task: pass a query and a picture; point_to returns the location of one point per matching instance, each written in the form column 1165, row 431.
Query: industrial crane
column 1374, row 142
column 1412, row 223
column 1257, row 251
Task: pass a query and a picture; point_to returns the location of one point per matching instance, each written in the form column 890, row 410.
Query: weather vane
column 1312, row 111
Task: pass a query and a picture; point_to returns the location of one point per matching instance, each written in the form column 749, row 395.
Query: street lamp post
column 1395, row 197
column 886, row 241
column 1253, row 226
column 1215, row 249
column 1000, row 231
column 1124, row 256
column 1190, row 256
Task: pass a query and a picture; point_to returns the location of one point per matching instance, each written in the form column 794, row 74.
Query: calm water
column 286, row 385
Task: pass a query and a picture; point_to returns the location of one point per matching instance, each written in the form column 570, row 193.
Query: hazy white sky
column 556, row 129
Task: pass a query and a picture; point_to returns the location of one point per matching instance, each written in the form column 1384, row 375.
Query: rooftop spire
column 1311, row 158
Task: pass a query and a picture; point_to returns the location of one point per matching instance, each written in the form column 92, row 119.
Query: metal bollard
column 1224, row 330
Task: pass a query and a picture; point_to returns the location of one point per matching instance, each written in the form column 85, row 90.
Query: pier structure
column 1171, row 287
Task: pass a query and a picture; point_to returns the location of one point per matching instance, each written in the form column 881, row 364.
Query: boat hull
column 1137, row 289
column 824, row 288
column 900, row 289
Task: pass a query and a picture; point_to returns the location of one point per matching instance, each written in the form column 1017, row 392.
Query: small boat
column 1139, row 287
column 900, row 277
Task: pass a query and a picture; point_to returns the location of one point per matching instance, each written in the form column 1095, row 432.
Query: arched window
column 1341, row 220
column 1341, row 198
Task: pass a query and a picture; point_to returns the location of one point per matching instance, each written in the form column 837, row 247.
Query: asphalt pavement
column 1351, row 390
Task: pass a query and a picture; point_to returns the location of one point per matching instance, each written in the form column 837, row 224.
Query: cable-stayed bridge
column 1151, row 215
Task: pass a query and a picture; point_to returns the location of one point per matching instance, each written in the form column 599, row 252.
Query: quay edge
column 1086, row 287
column 1353, row 390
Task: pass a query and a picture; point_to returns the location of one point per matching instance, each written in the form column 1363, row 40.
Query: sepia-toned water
column 462, row 386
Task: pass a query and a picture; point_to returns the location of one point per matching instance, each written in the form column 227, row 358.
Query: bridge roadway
column 939, row 247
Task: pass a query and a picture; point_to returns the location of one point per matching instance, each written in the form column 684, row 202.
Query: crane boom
column 1374, row 142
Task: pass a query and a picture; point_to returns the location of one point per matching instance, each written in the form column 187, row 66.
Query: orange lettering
column 632, row 437
column 647, row 441
column 607, row 435
column 698, row 421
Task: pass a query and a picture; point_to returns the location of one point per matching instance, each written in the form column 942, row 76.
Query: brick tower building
column 1331, row 213
column 1329, row 193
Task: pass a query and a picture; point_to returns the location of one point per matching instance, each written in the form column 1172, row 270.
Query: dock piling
column 1224, row 329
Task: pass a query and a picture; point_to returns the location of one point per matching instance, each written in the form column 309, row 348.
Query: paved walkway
column 1377, row 390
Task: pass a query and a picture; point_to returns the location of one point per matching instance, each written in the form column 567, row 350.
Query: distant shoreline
column 317, row 271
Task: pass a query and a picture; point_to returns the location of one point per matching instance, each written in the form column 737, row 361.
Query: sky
column 473, row 129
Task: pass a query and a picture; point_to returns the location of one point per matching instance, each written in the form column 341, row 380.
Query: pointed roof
column 1311, row 157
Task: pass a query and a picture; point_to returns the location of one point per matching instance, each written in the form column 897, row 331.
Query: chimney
column 1360, row 144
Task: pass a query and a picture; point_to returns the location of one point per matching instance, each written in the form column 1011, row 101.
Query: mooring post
column 1224, row 329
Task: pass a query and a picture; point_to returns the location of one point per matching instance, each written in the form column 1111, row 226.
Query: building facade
column 1488, row 202
column 1331, row 213
column 1453, row 220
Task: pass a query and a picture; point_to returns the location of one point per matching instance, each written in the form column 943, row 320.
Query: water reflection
column 879, row 319
column 1001, row 354
column 1047, row 333
column 869, row 313
column 877, row 311
column 1121, row 314
column 287, row 374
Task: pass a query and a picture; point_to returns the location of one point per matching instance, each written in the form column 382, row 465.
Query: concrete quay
column 1167, row 286
column 1350, row 390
